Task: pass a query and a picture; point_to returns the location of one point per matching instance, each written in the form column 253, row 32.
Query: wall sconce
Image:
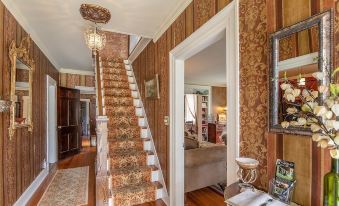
column 4, row 105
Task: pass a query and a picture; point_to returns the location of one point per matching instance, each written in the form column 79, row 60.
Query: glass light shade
column 95, row 39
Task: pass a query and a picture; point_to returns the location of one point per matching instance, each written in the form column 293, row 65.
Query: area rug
column 68, row 187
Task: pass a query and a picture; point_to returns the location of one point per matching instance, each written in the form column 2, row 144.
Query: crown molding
column 9, row 4
column 171, row 18
column 141, row 45
column 76, row 71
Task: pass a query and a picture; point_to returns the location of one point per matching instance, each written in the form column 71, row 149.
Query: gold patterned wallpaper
column 253, row 84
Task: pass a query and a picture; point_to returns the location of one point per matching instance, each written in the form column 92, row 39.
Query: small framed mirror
column 22, row 67
column 298, row 52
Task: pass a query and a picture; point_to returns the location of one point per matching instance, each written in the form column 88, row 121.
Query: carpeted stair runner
column 131, row 176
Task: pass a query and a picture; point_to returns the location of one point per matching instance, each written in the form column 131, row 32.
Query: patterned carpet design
column 68, row 187
column 131, row 176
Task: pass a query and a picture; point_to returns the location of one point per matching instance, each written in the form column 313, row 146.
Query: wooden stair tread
column 131, row 169
column 137, row 187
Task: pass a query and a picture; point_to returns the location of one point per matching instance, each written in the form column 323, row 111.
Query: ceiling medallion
column 95, row 13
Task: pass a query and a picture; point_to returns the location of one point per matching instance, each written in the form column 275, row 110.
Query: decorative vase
column 331, row 185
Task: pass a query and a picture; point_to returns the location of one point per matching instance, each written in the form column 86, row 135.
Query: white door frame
column 227, row 19
column 53, row 83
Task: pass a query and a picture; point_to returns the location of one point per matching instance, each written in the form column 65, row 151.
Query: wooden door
column 92, row 116
column 69, row 126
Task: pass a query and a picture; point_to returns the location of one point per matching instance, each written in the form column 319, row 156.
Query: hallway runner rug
column 68, row 187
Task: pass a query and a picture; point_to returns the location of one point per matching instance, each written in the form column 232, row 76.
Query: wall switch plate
column 166, row 120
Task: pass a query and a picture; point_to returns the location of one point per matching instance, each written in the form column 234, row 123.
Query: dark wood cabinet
column 69, row 126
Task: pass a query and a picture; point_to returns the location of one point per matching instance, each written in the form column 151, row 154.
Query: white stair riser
column 128, row 67
column 147, row 145
column 133, row 87
column 137, row 103
column 160, row 194
column 155, row 176
column 126, row 61
column 150, row 160
column 142, row 122
column 129, row 73
column 135, row 94
column 139, row 112
column 144, row 133
column 110, row 182
column 131, row 80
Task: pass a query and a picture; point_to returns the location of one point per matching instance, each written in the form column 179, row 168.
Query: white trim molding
column 138, row 49
column 171, row 18
column 86, row 90
column 76, row 71
column 9, row 4
column 27, row 195
column 206, row 35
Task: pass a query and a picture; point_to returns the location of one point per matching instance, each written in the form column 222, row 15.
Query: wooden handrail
column 98, row 79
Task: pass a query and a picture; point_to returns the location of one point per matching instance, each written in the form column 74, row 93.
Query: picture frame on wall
column 152, row 88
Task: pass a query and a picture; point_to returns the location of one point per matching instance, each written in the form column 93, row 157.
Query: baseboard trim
column 27, row 195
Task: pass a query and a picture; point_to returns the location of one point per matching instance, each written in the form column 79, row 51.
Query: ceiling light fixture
column 95, row 38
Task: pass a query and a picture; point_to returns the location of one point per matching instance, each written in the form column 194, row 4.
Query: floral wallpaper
column 253, row 84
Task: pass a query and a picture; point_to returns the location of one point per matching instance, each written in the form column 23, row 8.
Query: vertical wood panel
column 299, row 150
column 178, row 33
column 222, row 3
column 21, row 158
column 1, row 94
column 203, row 11
column 189, row 22
column 9, row 150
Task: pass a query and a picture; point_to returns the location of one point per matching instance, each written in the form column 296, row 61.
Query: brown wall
column 21, row 159
column 312, row 162
column 116, row 46
column 219, row 100
column 155, row 60
column 257, row 20
column 72, row 80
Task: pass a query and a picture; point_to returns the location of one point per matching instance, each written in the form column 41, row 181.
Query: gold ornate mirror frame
column 21, row 53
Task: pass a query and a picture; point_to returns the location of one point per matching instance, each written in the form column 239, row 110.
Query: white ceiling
column 208, row 67
column 57, row 26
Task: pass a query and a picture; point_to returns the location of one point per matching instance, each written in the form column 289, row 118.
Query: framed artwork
column 152, row 88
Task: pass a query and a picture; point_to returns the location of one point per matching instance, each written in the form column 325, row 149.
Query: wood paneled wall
column 312, row 163
column 155, row 60
column 21, row 158
column 72, row 80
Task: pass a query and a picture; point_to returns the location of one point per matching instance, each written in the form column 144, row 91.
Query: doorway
column 51, row 137
column 227, row 19
column 85, row 122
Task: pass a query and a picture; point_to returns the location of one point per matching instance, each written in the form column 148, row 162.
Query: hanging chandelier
column 95, row 38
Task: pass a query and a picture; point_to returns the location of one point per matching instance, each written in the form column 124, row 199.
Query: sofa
column 205, row 164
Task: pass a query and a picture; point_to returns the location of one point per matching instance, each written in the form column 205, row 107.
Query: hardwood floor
column 85, row 158
column 203, row 197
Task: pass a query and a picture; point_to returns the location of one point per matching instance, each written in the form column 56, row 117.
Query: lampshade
column 95, row 39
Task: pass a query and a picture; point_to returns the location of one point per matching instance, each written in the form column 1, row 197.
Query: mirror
column 21, row 93
column 22, row 67
column 299, row 51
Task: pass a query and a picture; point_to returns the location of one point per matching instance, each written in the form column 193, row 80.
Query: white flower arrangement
column 322, row 119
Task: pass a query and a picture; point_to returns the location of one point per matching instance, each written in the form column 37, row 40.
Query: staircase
column 132, row 176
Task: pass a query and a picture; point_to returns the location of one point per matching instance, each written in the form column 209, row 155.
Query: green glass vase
column 331, row 185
